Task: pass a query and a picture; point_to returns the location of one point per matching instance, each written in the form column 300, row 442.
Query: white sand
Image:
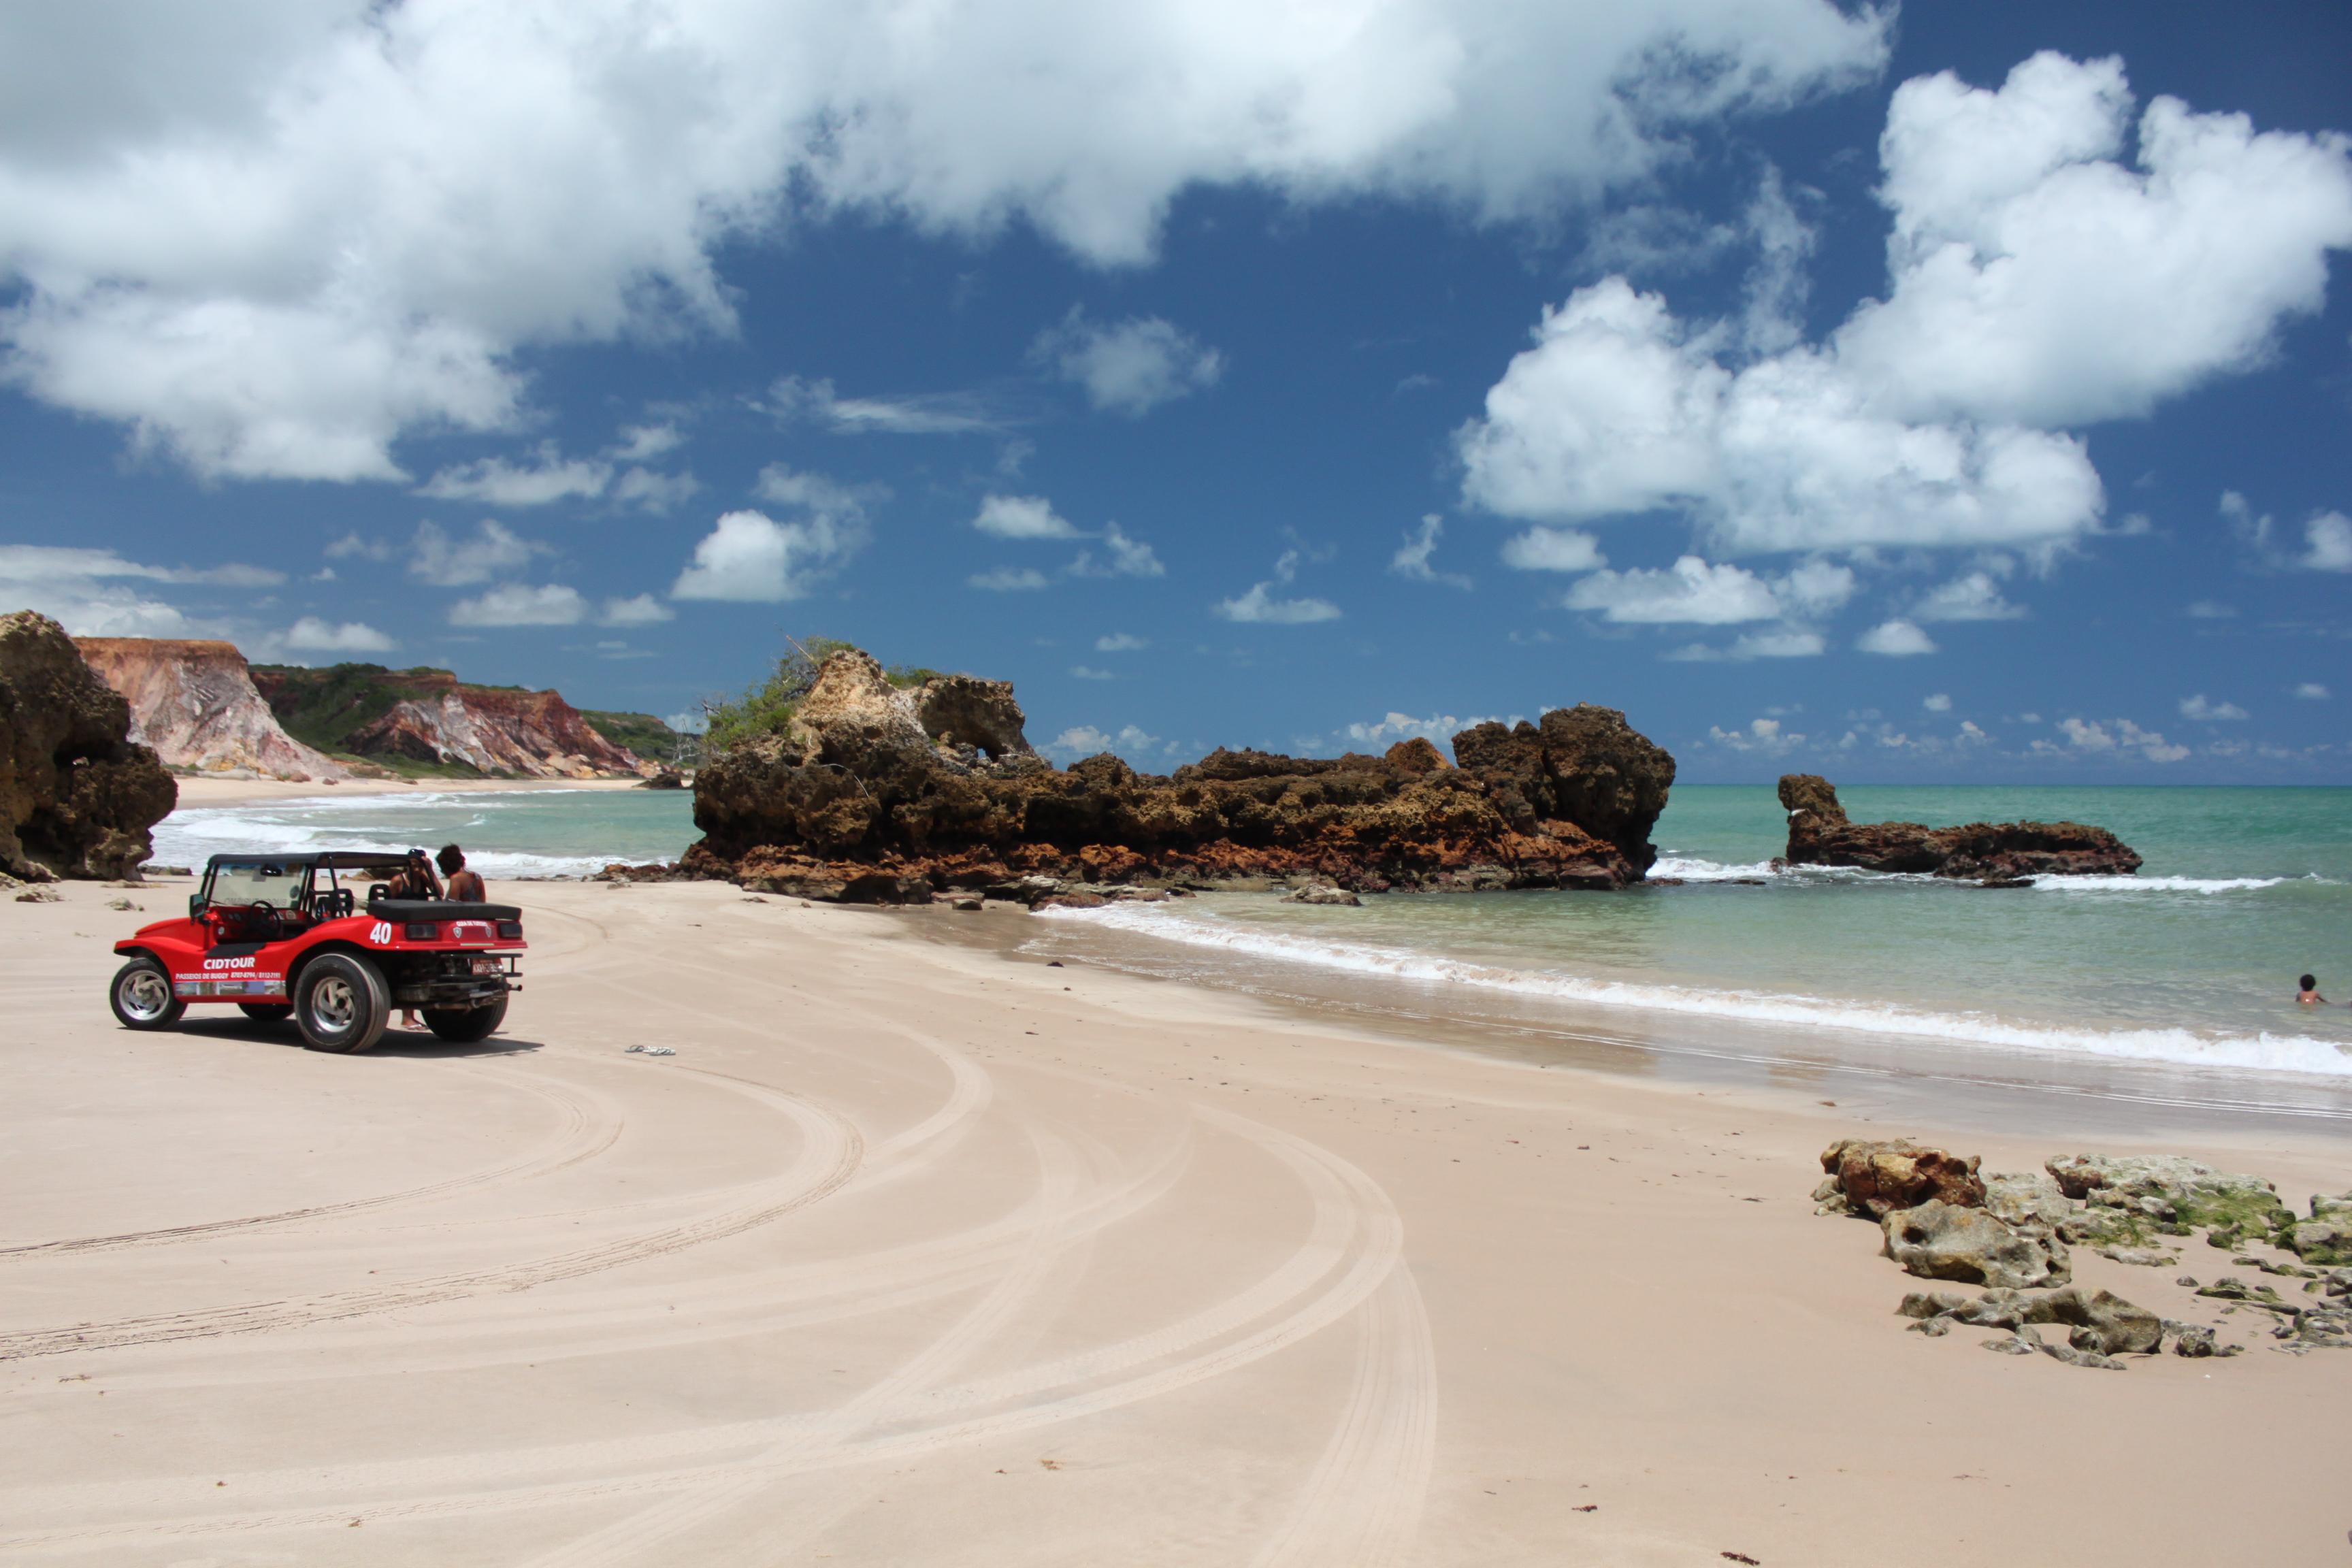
column 918, row 1253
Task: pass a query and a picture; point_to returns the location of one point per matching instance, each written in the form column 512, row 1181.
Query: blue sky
column 1959, row 393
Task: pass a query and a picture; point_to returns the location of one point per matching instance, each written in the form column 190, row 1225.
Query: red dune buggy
column 287, row 936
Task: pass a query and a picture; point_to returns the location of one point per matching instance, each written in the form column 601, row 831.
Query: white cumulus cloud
column 641, row 610
column 2206, row 712
column 1552, row 550
column 492, row 552
column 1129, row 367
column 2312, row 691
column 521, row 604
column 1971, row 596
column 1022, row 517
column 275, row 241
column 546, row 475
column 749, row 557
column 311, row 634
column 2035, row 282
column 1412, row 560
column 1896, row 639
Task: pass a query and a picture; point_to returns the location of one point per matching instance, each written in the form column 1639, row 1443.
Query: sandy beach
column 919, row 1250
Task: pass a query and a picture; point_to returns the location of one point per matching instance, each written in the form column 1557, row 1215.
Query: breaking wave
column 1691, row 869
column 508, row 835
column 2176, row 1046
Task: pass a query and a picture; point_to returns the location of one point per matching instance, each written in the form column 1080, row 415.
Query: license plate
column 489, row 966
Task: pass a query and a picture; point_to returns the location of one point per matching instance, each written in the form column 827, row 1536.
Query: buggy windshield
column 237, row 884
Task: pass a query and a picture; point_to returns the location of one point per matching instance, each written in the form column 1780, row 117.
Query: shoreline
column 1963, row 1086
column 918, row 1251
column 206, row 792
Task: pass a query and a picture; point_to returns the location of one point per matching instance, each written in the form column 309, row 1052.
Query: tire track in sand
column 1361, row 1505
column 1354, row 1242
column 585, row 1136
column 831, row 1149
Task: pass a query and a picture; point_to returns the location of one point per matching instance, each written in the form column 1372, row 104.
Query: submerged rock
column 1937, row 1240
column 77, row 796
column 934, row 786
column 1998, row 854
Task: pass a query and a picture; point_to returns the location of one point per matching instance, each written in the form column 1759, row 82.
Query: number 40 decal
column 380, row 932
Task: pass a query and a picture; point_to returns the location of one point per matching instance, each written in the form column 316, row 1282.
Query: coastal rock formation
column 1874, row 1178
column 2326, row 1238
column 2009, row 1233
column 427, row 715
column 1937, row 1240
column 195, row 704
column 881, row 792
column 2133, row 1198
column 1820, row 834
column 77, row 796
column 2103, row 1322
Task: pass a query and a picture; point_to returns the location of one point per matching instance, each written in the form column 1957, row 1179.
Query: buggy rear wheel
column 141, row 995
column 266, row 1012
column 341, row 1003
column 466, row 1026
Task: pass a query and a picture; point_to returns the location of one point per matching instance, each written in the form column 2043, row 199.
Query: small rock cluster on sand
column 1941, row 1220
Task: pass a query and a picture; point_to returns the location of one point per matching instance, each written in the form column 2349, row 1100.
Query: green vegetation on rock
column 643, row 733
column 322, row 707
column 766, row 707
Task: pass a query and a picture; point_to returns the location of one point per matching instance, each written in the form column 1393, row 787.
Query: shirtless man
column 2309, row 995
column 465, row 887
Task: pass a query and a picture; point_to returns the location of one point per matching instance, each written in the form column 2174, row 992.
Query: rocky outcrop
column 1937, row 1240
column 195, row 704
column 429, row 716
column 876, row 791
column 2130, row 1200
column 1820, row 834
column 1874, row 1178
column 77, row 796
column 2010, row 1232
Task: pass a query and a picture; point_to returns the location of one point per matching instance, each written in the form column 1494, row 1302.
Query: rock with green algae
column 2134, row 1198
column 2326, row 1238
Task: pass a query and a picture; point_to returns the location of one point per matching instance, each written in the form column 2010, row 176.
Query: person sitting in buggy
column 415, row 880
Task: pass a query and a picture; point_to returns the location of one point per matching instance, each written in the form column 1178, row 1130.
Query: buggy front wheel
column 141, row 995
column 341, row 1003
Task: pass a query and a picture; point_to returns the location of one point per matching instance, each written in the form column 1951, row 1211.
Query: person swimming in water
column 2309, row 995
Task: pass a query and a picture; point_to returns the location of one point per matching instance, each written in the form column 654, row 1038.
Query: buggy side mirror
column 196, row 906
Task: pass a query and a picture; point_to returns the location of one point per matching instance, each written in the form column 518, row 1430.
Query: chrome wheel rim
column 333, row 1005
column 145, row 995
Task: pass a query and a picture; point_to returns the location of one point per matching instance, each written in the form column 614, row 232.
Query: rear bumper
column 463, row 979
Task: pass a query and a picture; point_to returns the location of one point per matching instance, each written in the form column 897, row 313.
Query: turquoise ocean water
column 550, row 832
column 2192, row 963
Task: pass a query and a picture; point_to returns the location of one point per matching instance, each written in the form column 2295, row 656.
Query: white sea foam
column 304, row 824
column 2159, row 884
column 2187, row 1047
column 1690, row 868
